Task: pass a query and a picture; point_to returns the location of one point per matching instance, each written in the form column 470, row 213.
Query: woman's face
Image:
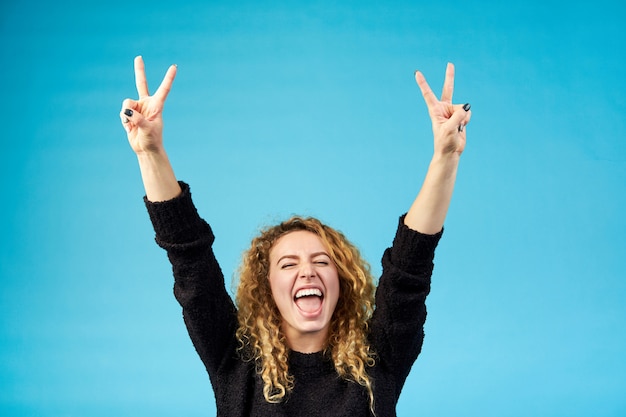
column 305, row 286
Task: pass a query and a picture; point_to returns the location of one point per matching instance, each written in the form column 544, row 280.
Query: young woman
column 309, row 334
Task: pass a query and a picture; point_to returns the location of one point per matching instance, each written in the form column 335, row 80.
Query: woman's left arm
column 428, row 211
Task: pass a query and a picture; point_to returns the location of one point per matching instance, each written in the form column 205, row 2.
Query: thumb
column 131, row 118
column 461, row 116
column 128, row 114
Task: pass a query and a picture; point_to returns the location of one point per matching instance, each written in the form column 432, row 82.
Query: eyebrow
column 313, row 255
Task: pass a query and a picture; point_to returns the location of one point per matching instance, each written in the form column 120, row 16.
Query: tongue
column 309, row 304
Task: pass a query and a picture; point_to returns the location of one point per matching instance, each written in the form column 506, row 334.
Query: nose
column 307, row 270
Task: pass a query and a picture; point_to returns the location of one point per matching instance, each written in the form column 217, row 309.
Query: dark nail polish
column 466, row 106
column 128, row 112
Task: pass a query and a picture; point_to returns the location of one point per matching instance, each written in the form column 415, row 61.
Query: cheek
column 274, row 298
column 334, row 287
column 279, row 287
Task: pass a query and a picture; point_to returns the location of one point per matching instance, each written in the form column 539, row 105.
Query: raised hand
column 143, row 118
column 428, row 211
column 143, row 121
column 448, row 120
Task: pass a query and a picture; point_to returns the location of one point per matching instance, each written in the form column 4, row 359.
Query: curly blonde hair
column 259, row 333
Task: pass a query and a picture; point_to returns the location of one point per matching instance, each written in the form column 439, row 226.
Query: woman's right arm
column 208, row 311
column 143, row 121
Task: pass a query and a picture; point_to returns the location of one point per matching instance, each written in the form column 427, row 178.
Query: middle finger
column 448, row 84
column 140, row 78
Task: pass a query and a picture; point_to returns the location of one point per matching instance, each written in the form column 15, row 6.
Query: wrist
column 446, row 158
column 152, row 156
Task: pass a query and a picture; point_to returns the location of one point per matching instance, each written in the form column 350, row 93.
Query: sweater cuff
column 411, row 248
column 176, row 220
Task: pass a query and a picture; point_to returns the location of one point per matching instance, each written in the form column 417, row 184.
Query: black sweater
column 210, row 316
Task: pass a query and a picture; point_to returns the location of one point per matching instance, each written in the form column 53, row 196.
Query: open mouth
column 309, row 300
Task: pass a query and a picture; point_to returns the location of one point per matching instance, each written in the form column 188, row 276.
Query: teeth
column 308, row 291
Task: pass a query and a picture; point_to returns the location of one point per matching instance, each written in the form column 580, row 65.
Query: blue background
column 311, row 108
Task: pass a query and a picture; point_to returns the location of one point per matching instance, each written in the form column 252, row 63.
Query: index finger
column 166, row 84
column 429, row 97
column 140, row 78
column 448, row 84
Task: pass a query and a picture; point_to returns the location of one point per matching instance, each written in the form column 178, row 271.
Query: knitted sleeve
column 397, row 330
column 208, row 311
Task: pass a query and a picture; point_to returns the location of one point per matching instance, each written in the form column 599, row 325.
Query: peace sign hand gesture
column 143, row 119
column 448, row 120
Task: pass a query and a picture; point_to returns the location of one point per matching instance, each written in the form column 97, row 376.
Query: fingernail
column 466, row 106
column 128, row 112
